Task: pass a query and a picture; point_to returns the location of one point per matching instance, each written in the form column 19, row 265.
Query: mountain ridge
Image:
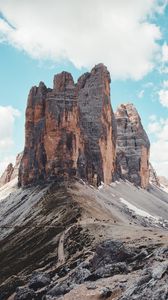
column 88, row 219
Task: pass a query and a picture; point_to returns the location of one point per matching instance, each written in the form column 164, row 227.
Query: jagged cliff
column 11, row 171
column 70, row 130
column 153, row 177
column 132, row 146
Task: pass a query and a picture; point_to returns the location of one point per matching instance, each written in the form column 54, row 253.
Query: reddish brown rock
column 132, row 146
column 16, row 166
column 70, row 130
column 153, row 178
column 11, row 171
column 6, row 176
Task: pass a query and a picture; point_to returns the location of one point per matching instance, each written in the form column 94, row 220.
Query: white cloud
column 163, row 97
column 165, row 83
column 154, row 127
column 165, row 52
column 117, row 33
column 159, row 149
column 152, row 118
column 162, row 168
column 141, row 94
column 8, row 115
column 148, row 85
column 164, row 59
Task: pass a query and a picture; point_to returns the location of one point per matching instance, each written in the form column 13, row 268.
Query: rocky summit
column 70, row 130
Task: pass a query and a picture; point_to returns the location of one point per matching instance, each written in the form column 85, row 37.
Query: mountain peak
column 69, row 130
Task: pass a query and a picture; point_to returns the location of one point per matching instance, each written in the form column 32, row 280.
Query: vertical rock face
column 11, row 171
column 16, row 166
column 70, row 130
column 132, row 148
column 97, row 125
column 153, row 178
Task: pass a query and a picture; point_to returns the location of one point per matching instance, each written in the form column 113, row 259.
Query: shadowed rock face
column 132, row 146
column 70, row 130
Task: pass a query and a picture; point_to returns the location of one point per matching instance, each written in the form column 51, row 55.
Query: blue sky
column 130, row 37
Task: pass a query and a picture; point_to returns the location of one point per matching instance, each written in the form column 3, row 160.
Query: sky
column 39, row 38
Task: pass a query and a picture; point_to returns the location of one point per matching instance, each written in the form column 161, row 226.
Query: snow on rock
column 137, row 210
column 101, row 186
column 164, row 188
column 154, row 220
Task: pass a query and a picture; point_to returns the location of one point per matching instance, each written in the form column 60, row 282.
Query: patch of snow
column 101, row 186
column 163, row 188
column 113, row 184
column 92, row 187
column 8, row 188
column 137, row 210
column 82, row 181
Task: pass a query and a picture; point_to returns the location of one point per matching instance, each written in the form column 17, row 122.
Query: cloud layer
column 159, row 149
column 8, row 115
column 117, row 33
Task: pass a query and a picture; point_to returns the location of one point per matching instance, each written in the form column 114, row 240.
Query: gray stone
column 110, row 270
column 132, row 146
column 160, row 270
column 25, row 293
column 39, row 280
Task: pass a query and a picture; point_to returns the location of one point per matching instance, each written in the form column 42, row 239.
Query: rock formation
column 6, row 176
column 153, row 178
column 163, row 181
column 70, row 130
column 11, row 171
column 132, row 146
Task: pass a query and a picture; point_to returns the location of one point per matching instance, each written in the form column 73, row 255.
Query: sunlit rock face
column 6, row 176
column 153, row 177
column 70, row 130
column 132, row 146
column 11, row 171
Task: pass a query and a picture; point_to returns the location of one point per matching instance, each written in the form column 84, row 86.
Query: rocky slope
column 11, row 171
column 73, row 241
column 163, row 181
column 70, row 130
column 132, row 146
column 6, row 176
